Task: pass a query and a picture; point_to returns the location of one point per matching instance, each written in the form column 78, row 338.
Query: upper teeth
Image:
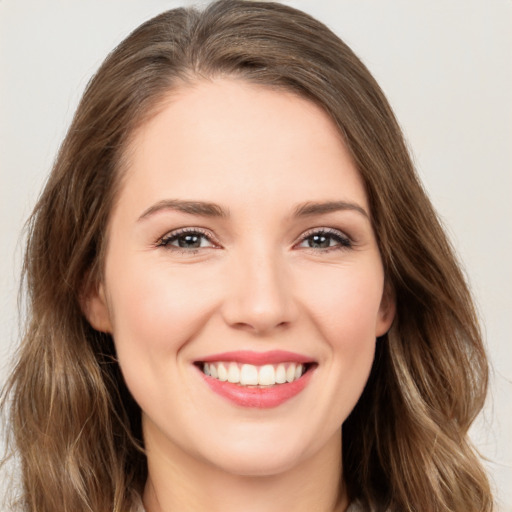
column 250, row 375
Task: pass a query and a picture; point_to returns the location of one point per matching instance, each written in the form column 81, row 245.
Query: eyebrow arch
column 208, row 209
column 193, row 207
column 309, row 209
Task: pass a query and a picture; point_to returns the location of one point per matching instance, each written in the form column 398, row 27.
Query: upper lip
column 258, row 358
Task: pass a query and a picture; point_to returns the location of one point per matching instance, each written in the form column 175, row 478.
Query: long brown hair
column 75, row 428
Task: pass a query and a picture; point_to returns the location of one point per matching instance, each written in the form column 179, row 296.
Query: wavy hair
column 74, row 426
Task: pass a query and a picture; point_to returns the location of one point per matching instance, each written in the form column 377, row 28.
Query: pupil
column 189, row 241
column 319, row 241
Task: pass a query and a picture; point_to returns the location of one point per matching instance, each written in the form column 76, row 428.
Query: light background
column 446, row 66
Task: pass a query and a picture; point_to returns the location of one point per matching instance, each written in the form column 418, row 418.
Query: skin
column 257, row 282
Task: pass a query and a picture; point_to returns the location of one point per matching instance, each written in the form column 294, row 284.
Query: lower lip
column 261, row 398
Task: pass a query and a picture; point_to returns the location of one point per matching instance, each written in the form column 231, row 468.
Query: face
column 243, row 284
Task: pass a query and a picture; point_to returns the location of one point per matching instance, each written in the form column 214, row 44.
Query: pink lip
column 256, row 397
column 258, row 358
column 262, row 398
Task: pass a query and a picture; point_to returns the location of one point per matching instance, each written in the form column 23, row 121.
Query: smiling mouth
column 249, row 375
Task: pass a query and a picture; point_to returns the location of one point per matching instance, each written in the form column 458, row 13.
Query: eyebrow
column 202, row 208
column 311, row 208
column 207, row 209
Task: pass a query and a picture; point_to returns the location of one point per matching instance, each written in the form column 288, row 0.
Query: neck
column 179, row 481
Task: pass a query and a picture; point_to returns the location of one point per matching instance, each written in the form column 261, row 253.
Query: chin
column 250, row 456
column 258, row 465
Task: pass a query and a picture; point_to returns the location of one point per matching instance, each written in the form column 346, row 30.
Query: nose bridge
column 260, row 292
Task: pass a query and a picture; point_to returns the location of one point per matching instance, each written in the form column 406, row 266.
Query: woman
column 240, row 296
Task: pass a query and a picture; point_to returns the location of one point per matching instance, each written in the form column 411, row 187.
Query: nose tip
column 258, row 320
column 259, row 299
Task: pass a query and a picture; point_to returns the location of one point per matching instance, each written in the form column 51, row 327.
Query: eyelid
column 349, row 242
column 164, row 241
column 345, row 240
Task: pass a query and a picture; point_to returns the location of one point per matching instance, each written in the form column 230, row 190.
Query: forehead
column 224, row 136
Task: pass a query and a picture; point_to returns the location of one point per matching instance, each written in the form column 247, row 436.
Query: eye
column 325, row 239
column 187, row 239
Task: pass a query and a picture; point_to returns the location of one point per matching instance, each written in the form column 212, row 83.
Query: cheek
column 345, row 302
column 339, row 307
column 156, row 307
column 157, row 310
column 344, row 307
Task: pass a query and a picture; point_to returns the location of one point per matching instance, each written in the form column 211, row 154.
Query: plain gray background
column 446, row 66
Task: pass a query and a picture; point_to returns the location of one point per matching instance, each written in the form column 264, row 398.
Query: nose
column 259, row 294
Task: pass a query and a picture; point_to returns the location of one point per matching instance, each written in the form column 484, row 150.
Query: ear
column 95, row 308
column 386, row 313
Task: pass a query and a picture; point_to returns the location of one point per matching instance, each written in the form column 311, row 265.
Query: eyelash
column 167, row 240
column 343, row 242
